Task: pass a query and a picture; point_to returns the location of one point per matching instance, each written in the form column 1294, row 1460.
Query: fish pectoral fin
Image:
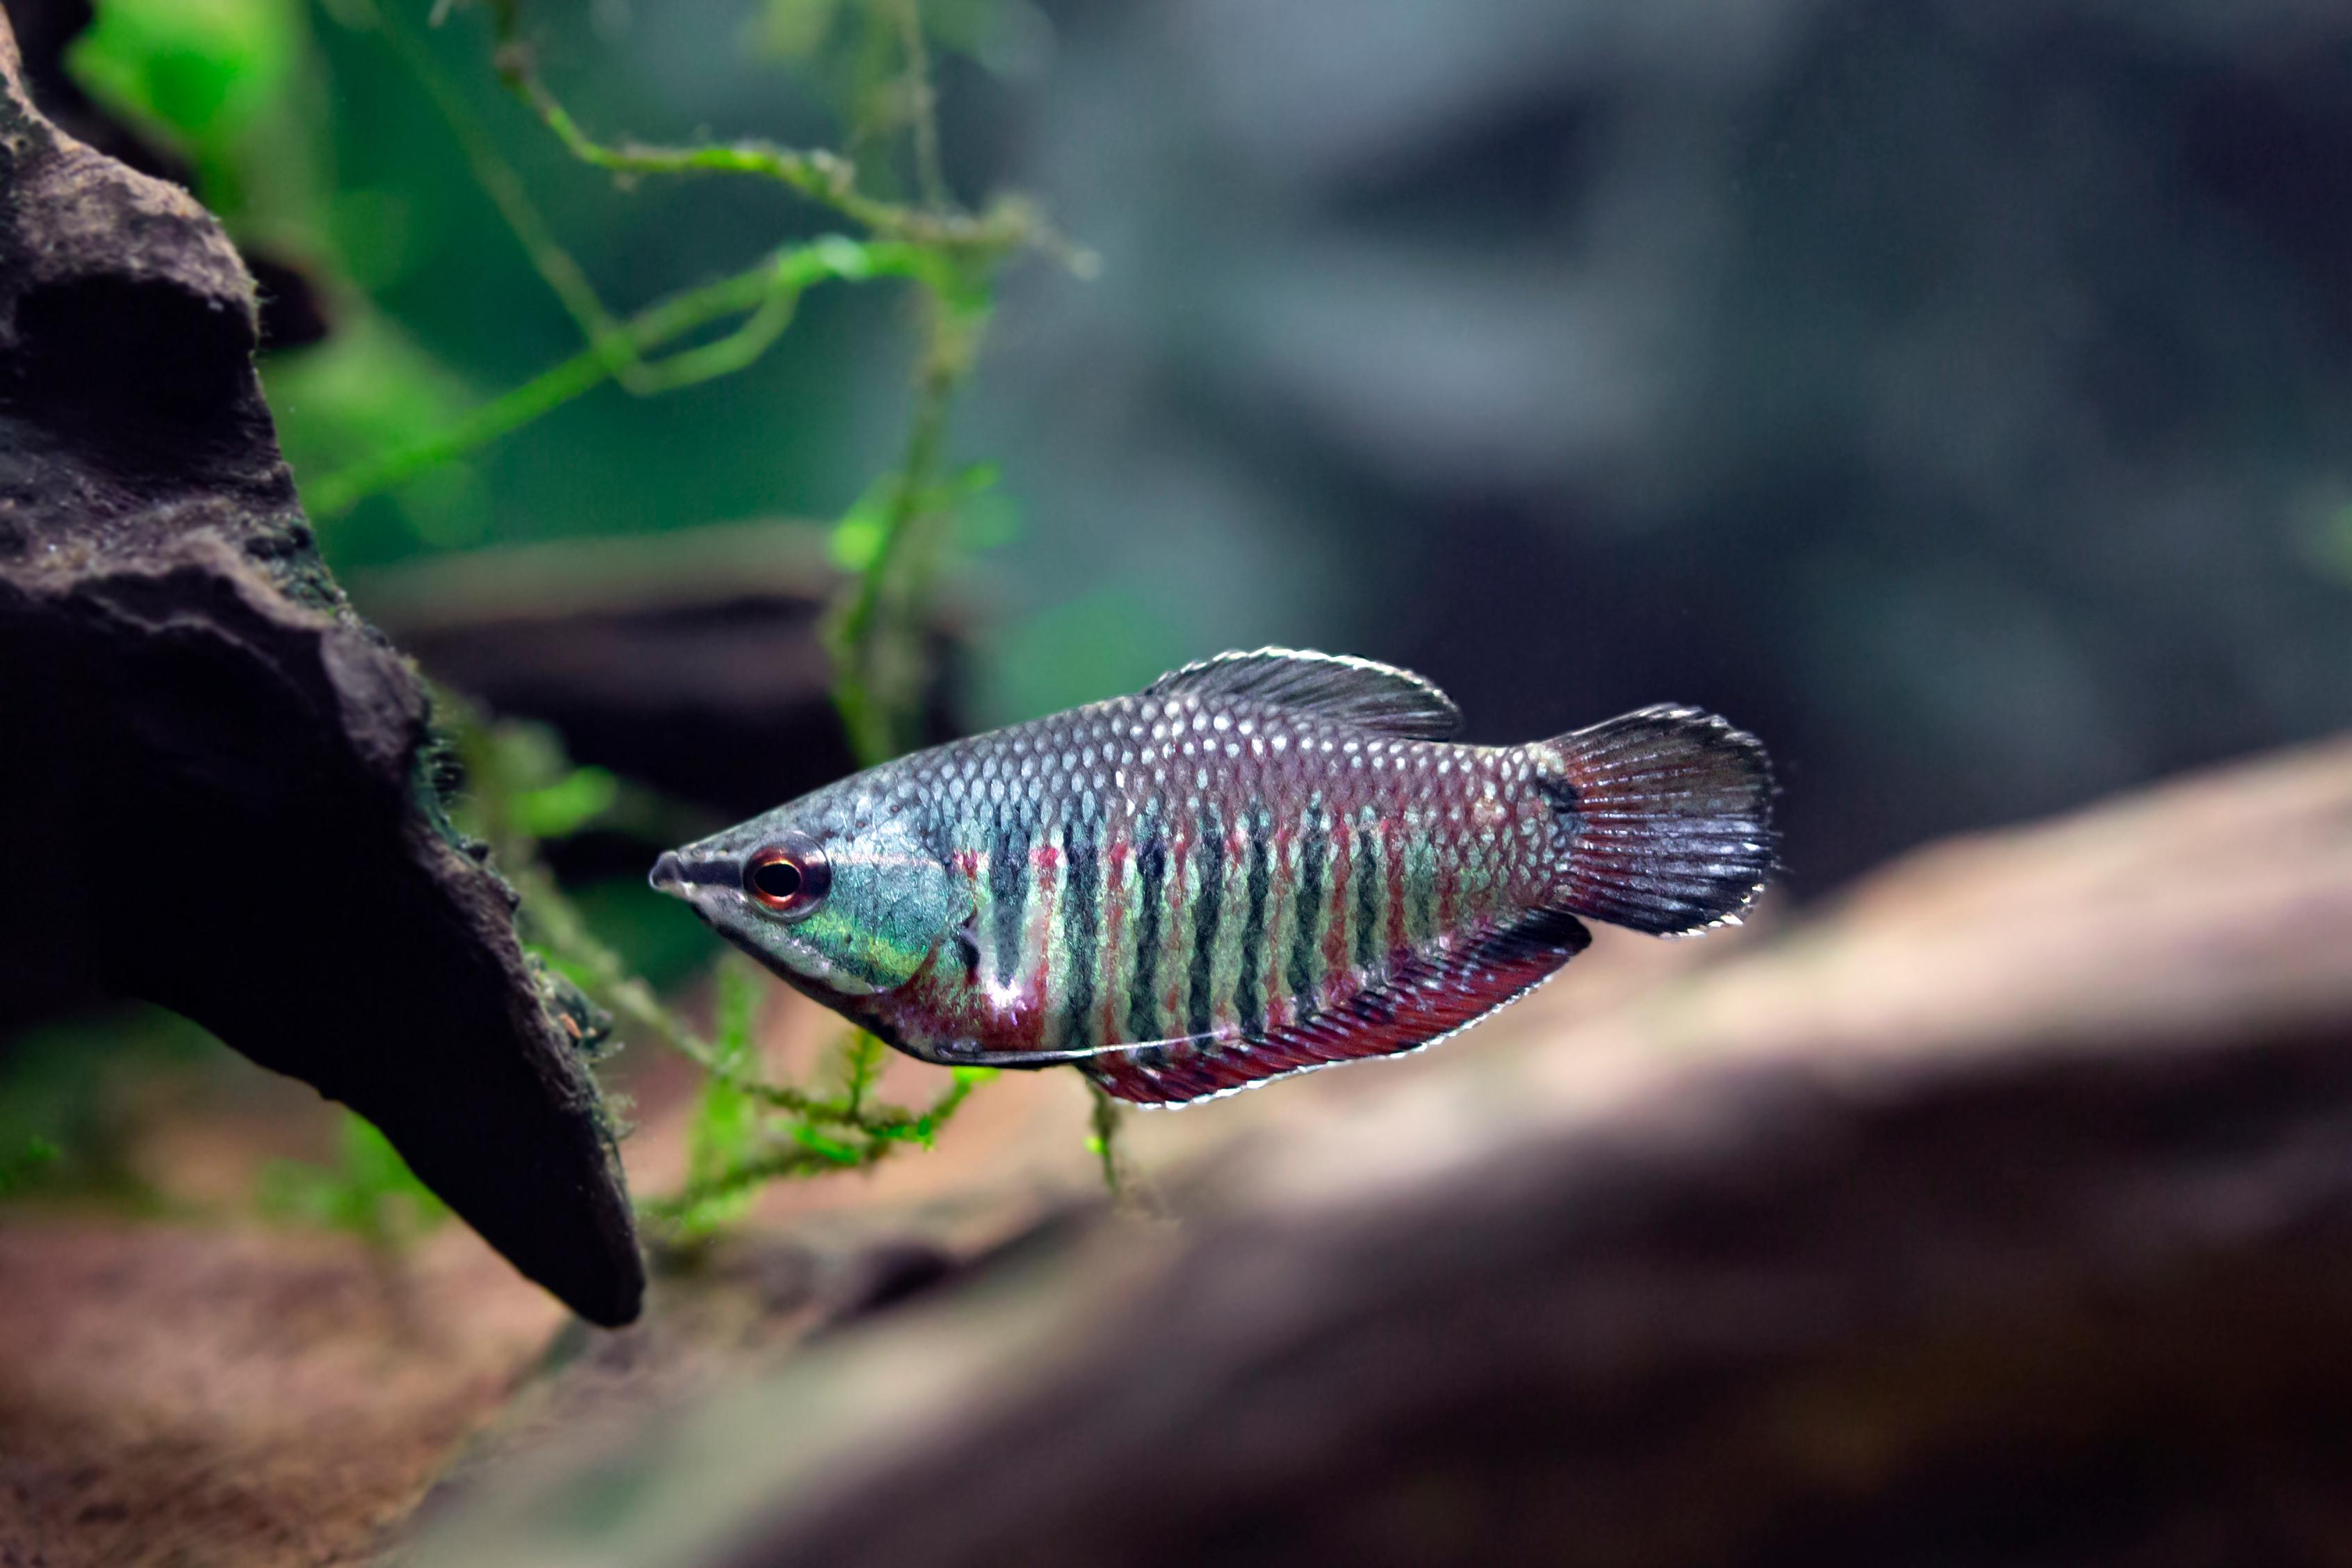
column 970, row 1053
column 1426, row 1000
column 966, row 1054
column 965, row 939
column 1378, row 697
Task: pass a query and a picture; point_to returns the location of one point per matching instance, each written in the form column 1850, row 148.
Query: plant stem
column 770, row 291
column 563, row 274
column 922, row 105
column 875, row 634
column 1105, row 1123
column 875, row 646
column 821, row 177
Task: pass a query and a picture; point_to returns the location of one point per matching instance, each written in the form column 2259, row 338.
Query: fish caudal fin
column 1669, row 812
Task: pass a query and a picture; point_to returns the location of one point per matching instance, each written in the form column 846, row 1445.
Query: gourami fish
column 1262, row 864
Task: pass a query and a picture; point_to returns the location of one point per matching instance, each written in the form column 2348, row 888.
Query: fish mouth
column 678, row 876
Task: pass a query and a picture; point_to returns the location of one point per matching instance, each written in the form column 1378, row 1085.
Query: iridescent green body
column 1246, row 871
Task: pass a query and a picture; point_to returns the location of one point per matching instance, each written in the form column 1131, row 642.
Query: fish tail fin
column 1669, row 812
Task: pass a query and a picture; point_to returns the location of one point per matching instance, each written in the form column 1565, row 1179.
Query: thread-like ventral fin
column 1426, row 999
column 1358, row 691
column 1669, row 812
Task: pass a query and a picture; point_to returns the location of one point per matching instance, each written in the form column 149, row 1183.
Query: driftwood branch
column 218, row 783
column 2002, row 1215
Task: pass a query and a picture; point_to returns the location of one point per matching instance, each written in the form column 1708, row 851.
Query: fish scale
column 1260, row 865
column 1102, row 776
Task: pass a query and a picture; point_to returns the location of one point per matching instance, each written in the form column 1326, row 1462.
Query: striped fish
column 1263, row 864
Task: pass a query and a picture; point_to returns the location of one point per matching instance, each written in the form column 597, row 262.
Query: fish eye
column 787, row 878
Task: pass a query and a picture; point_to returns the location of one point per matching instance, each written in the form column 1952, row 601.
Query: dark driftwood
column 213, row 787
column 2002, row 1215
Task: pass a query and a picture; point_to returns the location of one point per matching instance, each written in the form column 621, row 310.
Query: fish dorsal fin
column 1330, row 686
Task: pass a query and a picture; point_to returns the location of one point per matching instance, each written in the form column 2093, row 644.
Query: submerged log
column 2001, row 1214
column 218, row 784
column 691, row 660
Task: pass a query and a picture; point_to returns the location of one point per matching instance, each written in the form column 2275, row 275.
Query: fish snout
column 668, row 875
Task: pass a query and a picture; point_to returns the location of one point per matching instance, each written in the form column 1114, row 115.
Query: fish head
column 836, row 890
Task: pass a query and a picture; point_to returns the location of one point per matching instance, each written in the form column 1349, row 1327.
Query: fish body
column 1261, row 865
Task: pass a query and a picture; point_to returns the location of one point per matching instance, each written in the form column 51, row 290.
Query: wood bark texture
column 217, row 779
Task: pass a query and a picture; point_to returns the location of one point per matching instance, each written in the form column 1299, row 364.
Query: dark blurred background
column 1955, row 393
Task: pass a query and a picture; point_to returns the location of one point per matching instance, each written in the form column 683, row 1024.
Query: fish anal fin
column 1424, row 1001
column 1358, row 691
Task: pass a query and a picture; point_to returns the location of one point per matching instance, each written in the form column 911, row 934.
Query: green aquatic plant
column 369, row 1191
column 22, row 1167
column 893, row 540
column 746, row 1133
column 68, row 1129
column 904, row 227
column 748, row 1128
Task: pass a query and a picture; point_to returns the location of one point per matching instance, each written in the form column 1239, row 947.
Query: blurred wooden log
column 218, row 791
column 690, row 660
column 2000, row 1215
